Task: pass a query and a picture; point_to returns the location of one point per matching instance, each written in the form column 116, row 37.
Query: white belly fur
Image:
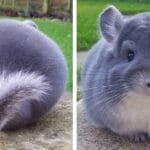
column 134, row 114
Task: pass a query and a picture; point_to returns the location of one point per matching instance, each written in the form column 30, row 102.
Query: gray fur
column 33, row 74
column 108, row 77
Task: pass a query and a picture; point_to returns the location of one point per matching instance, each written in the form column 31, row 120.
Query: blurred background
column 53, row 17
column 61, row 9
column 88, row 23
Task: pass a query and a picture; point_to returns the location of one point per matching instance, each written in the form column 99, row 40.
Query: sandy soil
column 52, row 132
column 81, row 58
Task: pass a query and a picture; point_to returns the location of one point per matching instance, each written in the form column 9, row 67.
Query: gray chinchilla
column 33, row 74
column 116, row 75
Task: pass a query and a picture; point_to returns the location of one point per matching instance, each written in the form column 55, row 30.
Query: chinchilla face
column 130, row 45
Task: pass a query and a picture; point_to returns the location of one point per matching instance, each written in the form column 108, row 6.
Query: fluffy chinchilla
column 32, row 74
column 116, row 75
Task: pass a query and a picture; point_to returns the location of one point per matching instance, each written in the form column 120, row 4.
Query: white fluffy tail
column 19, row 87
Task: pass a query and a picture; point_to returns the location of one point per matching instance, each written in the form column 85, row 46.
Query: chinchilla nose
column 148, row 84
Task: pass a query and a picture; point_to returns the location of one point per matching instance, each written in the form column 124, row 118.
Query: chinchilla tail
column 16, row 91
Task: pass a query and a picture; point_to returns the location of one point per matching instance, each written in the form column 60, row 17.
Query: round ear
column 30, row 23
column 111, row 22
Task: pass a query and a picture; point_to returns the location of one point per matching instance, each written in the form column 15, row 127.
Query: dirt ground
column 52, row 132
column 80, row 58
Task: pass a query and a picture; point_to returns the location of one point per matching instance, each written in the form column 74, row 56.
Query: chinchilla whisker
column 101, row 92
column 106, row 101
column 101, row 74
column 103, row 97
column 115, row 81
column 102, row 86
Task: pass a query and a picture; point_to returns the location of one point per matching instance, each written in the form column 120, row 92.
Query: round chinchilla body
column 32, row 74
column 116, row 75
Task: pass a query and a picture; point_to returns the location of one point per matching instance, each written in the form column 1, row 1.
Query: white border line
column 74, row 74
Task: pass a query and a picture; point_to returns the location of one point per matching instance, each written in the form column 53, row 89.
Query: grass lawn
column 89, row 10
column 61, row 33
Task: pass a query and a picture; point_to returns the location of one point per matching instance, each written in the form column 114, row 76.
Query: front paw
column 141, row 137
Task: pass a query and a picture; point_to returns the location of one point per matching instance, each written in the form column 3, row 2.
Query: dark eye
column 130, row 55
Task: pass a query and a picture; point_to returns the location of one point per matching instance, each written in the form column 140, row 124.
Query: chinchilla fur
column 32, row 74
column 116, row 75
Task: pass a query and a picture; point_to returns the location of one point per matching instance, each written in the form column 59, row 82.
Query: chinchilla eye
column 130, row 55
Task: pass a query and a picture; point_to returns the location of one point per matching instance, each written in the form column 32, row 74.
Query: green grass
column 61, row 33
column 89, row 10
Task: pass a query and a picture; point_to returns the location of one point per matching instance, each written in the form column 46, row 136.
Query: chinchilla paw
column 141, row 137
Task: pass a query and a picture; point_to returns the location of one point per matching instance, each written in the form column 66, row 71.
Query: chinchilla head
column 129, row 40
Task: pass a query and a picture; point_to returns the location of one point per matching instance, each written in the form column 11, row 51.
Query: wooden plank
column 41, row 5
column 1, row 2
column 13, row 3
column 45, row 6
column 27, row 7
column 60, row 2
column 69, row 6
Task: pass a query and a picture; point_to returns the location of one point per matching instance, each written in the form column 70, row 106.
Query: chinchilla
column 33, row 74
column 116, row 75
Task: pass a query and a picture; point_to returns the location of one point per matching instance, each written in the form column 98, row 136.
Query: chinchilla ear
column 31, row 23
column 111, row 22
